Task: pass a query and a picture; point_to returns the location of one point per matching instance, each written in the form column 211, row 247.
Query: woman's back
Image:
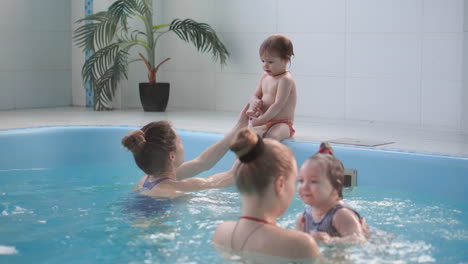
column 267, row 239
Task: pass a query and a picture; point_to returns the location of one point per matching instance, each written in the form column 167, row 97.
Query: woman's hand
column 243, row 119
column 257, row 103
column 255, row 112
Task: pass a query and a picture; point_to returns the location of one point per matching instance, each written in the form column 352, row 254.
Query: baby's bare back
column 283, row 90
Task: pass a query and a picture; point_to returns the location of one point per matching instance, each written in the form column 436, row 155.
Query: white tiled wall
column 443, row 16
column 314, row 16
column 78, row 57
column 464, row 98
column 394, row 100
column 35, row 61
column 391, row 61
column 384, row 16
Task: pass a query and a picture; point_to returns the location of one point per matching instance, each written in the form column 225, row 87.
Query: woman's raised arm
column 208, row 158
column 219, row 180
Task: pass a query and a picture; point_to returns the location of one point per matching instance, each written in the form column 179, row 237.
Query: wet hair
column 277, row 45
column 331, row 165
column 261, row 161
column 151, row 146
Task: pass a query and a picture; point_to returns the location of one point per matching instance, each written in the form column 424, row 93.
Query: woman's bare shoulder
column 223, row 233
column 299, row 244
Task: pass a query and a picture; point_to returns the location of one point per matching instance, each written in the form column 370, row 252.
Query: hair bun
column 243, row 142
column 325, row 148
column 134, row 141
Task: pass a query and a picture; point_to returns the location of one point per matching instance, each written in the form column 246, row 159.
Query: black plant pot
column 154, row 97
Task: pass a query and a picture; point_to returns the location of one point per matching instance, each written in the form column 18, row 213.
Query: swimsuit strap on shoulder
column 150, row 185
column 246, row 239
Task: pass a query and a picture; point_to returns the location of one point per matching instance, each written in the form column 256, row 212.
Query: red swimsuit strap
column 255, row 219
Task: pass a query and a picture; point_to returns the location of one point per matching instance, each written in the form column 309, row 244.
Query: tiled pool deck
column 405, row 138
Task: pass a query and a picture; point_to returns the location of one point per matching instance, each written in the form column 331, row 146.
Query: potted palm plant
column 110, row 37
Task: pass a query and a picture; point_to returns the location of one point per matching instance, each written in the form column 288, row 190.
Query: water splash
column 8, row 250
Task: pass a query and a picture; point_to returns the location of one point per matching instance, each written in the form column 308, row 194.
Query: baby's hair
column 332, row 166
column 151, row 146
column 325, row 148
column 278, row 45
column 271, row 159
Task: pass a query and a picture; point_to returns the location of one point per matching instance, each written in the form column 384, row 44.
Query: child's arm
column 256, row 100
column 285, row 86
column 208, row 158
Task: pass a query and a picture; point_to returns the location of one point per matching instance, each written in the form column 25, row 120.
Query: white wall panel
column 383, row 55
column 304, row 16
column 44, row 15
column 384, row 16
column 233, row 91
column 43, row 89
column 51, row 49
column 318, row 54
column 246, row 16
column 464, row 97
column 442, row 57
column 8, row 13
column 244, row 50
column 443, row 16
column 10, row 59
column 441, row 104
column 383, row 99
column 320, row 97
column 7, row 90
column 191, row 89
column 199, row 10
column 35, row 59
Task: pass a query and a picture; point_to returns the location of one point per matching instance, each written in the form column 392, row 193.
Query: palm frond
column 109, row 39
column 105, row 69
column 84, row 36
column 97, row 34
column 96, row 17
column 145, row 7
column 202, row 36
column 121, row 10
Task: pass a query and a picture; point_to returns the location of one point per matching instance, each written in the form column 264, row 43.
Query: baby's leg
column 278, row 131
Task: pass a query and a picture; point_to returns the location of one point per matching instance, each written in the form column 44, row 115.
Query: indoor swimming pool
column 65, row 196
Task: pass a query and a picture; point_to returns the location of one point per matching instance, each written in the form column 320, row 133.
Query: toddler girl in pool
column 273, row 104
column 326, row 217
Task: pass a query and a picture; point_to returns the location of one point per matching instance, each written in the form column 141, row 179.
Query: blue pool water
column 65, row 197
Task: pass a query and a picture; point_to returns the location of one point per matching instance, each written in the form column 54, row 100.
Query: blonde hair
column 271, row 160
column 332, row 166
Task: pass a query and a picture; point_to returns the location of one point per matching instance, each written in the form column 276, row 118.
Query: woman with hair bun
column 158, row 151
column 265, row 177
